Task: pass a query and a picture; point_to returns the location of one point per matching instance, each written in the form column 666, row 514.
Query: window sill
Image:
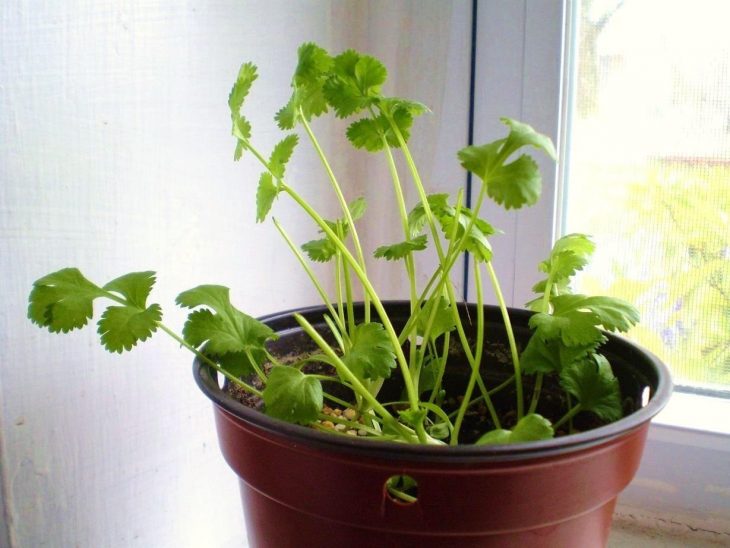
column 633, row 527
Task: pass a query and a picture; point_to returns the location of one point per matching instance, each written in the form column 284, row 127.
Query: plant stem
column 362, row 276
column 569, row 415
column 511, row 339
column 322, row 293
column 210, row 362
column 477, row 354
column 341, row 198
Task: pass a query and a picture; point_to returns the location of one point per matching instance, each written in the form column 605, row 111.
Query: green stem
column 322, row 293
column 369, row 289
column 477, row 354
column 569, row 415
column 511, row 339
column 210, row 362
column 341, row 198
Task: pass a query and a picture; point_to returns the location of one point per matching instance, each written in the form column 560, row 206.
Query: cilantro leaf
column 593, row 383
column 476, row 242
column 532, row 427
column 354, row 82
column 569, row 255
column 612, row 313
column 366, row 133
column 238, row 364
column 371, row 355
column 292, row 396
column 247, row 74
column 63, row 300
column 522, row 134
column 265, row 196
column 313, row 67
column 357, row 208
column 545, row 356
column 398, row 251
column 121, row 327
column 417, row 216
column 443, row 321
column 321, row 250
column 281, row 154
column 515, row 184
column 228, row 330
column 135, row 287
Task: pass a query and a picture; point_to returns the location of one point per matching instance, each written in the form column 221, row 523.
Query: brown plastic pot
column 302, row 488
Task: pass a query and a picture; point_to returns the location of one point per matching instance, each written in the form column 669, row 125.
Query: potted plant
column 424, row 422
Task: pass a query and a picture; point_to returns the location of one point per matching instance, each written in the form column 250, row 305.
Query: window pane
column 649, row 173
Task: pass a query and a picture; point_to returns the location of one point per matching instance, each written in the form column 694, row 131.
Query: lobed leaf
column 63, row 300
column 247, row 74
column 532, row 427
column 281, row 154
column 594, row 385
column 122, row 327
column 226, row 330
column 135, row 287
column 443, row 320
column 371, row 355
column 265, row 195
column 292, row 396
column 321, row 251
column 354, row 82
column 398, row 251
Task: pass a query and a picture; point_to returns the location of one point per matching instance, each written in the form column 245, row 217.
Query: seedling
column 567, row 328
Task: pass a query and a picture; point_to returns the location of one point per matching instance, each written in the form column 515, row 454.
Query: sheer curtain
column 116, row 156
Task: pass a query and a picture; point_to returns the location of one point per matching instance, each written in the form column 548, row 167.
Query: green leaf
column 443, row 320
column 522, row 134
column 238, row 364
column 228, row 330
column 612, row 313
column 242, row 131
column 477, row 241
column 63, row 300
column 515, row 184
column 573, row 328
column 313, row 67
column 413, row 417
column 135, row 287
column 313, row 64
column 371, row 355
column 265, row 196
column 121, row 327
column 357, row 208
column 281, row 154
column 354, row 83
column 541, row 356
column 532, row 427
column 569, row 255
column 593, row 383
column 366, row 133
column 246, row 76
column 321, row 251
column 292, row 396
column 397, row 251
column 417, row 217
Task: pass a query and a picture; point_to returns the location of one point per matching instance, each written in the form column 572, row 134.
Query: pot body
column 302, row 488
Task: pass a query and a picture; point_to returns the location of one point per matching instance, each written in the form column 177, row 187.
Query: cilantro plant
column 362, row 352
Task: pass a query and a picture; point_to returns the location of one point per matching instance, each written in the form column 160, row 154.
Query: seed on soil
column 337, row 412
column 327, row 410
column 328, row 424
column 350, row 413
column 340, row 427
column 362, row 432
column 352, row 432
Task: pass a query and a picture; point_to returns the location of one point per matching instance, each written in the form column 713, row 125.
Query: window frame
column 525, row 69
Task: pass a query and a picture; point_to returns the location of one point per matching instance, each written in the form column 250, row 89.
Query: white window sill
column 632, row 528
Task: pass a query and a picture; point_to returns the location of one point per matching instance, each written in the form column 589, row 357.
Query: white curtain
column 116, row 156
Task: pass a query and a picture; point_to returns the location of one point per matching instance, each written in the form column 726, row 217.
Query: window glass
column 648, row 173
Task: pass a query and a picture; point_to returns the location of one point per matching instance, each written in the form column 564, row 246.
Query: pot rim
column 208, row 383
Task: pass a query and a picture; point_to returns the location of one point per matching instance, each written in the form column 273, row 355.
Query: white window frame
column 524, row 70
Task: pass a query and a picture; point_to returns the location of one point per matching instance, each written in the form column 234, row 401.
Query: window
column 649, row 140
column 659, row 82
